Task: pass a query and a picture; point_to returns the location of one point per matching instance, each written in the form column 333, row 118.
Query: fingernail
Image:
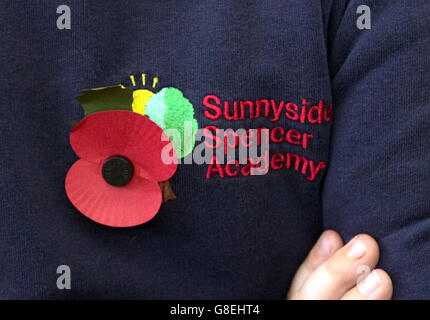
column 324, row 246
column 357, row 249
column 369, row 284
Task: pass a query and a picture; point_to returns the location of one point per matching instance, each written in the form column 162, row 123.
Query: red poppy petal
column 126, row 206
column 104, row 134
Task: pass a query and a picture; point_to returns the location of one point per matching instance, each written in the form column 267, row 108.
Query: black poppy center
column 117, row 171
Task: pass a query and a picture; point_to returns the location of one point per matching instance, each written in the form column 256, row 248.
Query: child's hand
column 332, row 271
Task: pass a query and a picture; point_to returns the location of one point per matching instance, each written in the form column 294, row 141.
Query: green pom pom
column 171, row 110
column 155, row 109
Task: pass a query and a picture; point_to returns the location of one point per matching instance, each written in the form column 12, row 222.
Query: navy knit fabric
column 241, row 237
column 379, row 176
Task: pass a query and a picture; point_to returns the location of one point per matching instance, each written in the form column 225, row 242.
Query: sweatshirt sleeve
column 378, row 180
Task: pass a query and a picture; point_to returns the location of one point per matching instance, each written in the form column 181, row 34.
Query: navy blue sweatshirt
column 347, row 110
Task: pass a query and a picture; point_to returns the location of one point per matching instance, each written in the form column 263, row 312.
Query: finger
column 338, row 274
column 328, row 243
column 376, row 286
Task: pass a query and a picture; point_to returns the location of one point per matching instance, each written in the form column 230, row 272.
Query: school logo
column 133, row 137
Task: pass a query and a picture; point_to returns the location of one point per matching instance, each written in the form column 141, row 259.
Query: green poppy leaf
column 106, row 99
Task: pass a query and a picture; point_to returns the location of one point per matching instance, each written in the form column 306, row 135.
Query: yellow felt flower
column 140, row 99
